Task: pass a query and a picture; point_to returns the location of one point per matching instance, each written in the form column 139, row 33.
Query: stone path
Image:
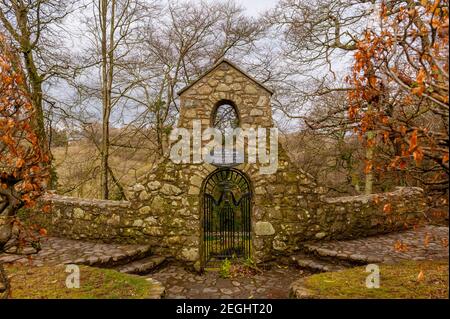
column 425, row 243
column 271, row 284
column 429, row 242
column 67, row 251
column 124, row 258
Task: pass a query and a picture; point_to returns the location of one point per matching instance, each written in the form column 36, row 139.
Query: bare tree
column 112, row 35
column 177, row 45
column 319, row 38
column 34, row 27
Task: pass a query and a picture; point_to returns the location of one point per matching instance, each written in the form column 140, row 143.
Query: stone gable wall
column 225, row 83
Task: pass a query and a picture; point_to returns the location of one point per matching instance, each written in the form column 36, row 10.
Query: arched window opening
column 225, row 116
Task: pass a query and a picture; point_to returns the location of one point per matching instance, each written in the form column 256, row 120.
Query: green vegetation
column 235, row 267
column 225, row 269
column 49, row 282
column 412, row 279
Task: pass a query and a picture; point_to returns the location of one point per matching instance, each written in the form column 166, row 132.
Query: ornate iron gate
column 226, row 216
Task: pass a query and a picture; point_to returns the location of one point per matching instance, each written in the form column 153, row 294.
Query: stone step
column 157, row 290
column 315, row 264
column 348, row 258
column 142, row 266
column 124, row 256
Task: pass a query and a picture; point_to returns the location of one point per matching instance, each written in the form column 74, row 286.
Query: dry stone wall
column 165, row 213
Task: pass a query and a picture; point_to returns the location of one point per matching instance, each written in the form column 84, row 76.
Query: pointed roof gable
column 223, row 60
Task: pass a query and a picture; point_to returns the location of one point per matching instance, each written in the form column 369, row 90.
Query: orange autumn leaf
column 43, row 232
column 402, row 164
column 373, row 81
column 413, row 141
column 426, row 241
column 402, row 129
column 27, row 186
column 421, row 76
column 400, row 246
column 387, row 208
column 418, row 156
column 386, row 136
column 368, row 168
column 376, row 199
column 418, row 90
column 20, row 147
column 421, row 276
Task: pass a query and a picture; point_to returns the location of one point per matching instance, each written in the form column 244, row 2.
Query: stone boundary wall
column 329, row 218
column 367, row 215
column 352, row 217
column 107, row 221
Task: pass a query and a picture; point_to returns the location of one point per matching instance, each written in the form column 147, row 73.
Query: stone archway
column 226, row 213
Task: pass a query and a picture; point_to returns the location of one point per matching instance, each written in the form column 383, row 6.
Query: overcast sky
column 254, row 7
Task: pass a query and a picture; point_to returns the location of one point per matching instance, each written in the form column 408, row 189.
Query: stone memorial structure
column 199, row 212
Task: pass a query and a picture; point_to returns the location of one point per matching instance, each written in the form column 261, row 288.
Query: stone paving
column 424, row 243
column 429, row 242
column 67, row 251
column 270, row 284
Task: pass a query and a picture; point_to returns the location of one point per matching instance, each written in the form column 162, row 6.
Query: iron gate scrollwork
column 226, row 216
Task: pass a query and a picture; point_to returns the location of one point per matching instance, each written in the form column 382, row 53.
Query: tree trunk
column 4, row 283
column 9, row 205
column 369, row 158
column 159, row 133
column 34, row 78
column 107, row 48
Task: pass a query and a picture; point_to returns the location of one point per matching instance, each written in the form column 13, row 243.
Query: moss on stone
column 50, row 283
column 396, row 281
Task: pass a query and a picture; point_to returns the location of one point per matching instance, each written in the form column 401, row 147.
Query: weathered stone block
column 145, row 210
column 193, row 190
column 196, row 181
column 205, row 89
column 256, row 112
column 223, row 87
column 138, row 187
column 153, row 185
column 138, row 223
column 158, row 203
column 78, row 213
column 144, row 195
column 190, row 254
column 250, row 89
column 320, row 235
column 169, row 189
column 264, row 229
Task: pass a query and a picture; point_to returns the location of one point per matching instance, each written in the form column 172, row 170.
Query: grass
column 78, row 173
column 49, row 283
column 398, row 281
